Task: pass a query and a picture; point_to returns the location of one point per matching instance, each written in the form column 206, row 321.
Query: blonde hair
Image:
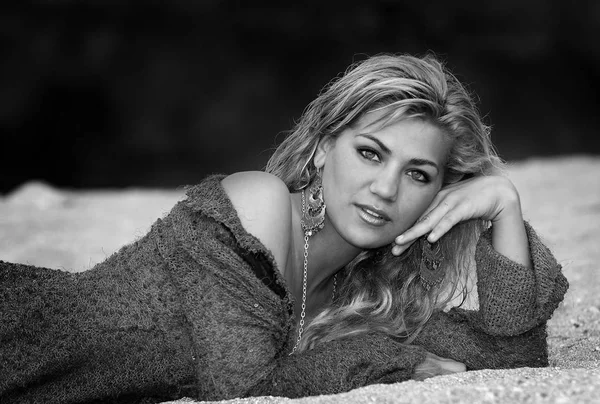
column 380, row 291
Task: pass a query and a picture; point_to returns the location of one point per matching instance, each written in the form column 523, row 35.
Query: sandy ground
column 45, row 226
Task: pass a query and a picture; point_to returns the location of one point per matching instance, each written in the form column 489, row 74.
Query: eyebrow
column 414, row 161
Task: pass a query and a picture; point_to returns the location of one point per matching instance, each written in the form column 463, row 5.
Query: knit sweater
column 197, row 308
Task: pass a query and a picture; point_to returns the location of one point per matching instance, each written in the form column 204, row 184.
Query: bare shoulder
column 262, row 202
column 257, row 192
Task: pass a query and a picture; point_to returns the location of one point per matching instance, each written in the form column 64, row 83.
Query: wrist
column 510, row 207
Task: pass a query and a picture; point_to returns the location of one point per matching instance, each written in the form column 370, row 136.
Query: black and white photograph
column 322, row 202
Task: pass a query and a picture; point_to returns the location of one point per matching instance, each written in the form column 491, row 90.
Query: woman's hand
column 492, row 198
column 433, row 365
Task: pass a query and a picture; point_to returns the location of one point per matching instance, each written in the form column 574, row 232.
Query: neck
column 327, row 252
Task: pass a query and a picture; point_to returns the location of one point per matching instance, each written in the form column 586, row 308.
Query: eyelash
column 425, row 177
column 363, row 151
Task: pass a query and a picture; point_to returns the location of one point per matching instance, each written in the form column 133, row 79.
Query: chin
column 366, row 240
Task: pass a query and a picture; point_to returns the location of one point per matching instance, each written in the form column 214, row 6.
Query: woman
column 327, row 272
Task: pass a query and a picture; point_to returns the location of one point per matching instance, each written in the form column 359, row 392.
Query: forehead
column 411, row 136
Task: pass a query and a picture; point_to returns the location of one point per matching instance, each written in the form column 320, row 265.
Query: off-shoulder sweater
column 197, row 308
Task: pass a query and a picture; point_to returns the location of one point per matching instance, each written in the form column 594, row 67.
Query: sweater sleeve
column 340, row 366
column 452, row 335
column 509, row 329
column 512, row 297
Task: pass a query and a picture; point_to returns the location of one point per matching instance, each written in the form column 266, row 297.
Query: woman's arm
column 508, row 232
column 519, row 281
column 262, row 203
column 509, row 329
column 340, row 366
column 454, row 335
column 516, row 272
column 514, row 298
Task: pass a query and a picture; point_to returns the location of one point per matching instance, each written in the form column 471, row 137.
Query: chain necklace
column 307, row 235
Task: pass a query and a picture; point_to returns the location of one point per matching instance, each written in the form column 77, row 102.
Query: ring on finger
column 424, row 218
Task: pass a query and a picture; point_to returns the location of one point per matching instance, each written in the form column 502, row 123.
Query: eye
column 369, row 154
column 419, row 176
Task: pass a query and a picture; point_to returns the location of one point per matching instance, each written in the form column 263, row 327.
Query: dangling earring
column 313, row 220
column 430, row 270
column 313, row 213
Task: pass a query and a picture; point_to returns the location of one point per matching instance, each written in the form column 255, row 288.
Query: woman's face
column 378, row 181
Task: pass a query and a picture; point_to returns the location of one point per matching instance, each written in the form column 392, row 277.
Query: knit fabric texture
column 197, row 308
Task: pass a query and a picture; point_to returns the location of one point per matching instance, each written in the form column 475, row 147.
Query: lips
column 373, row 215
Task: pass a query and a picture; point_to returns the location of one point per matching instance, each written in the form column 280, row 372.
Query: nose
column 385, row 185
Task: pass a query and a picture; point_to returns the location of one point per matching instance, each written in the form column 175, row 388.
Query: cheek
column 416, row 206
column 332, row 188
column 336, row 175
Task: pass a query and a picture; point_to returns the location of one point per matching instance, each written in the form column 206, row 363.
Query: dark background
column 159, row 94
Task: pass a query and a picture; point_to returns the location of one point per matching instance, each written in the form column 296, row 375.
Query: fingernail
column 399, row 239
column 396, row 250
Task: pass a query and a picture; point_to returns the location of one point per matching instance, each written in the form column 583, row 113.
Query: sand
column 73, row 230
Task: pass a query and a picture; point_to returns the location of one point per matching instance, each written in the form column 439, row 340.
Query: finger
column 447, row 365
column 447, row 222
column 398, row 249
column 434, row 365
column 450, row 366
